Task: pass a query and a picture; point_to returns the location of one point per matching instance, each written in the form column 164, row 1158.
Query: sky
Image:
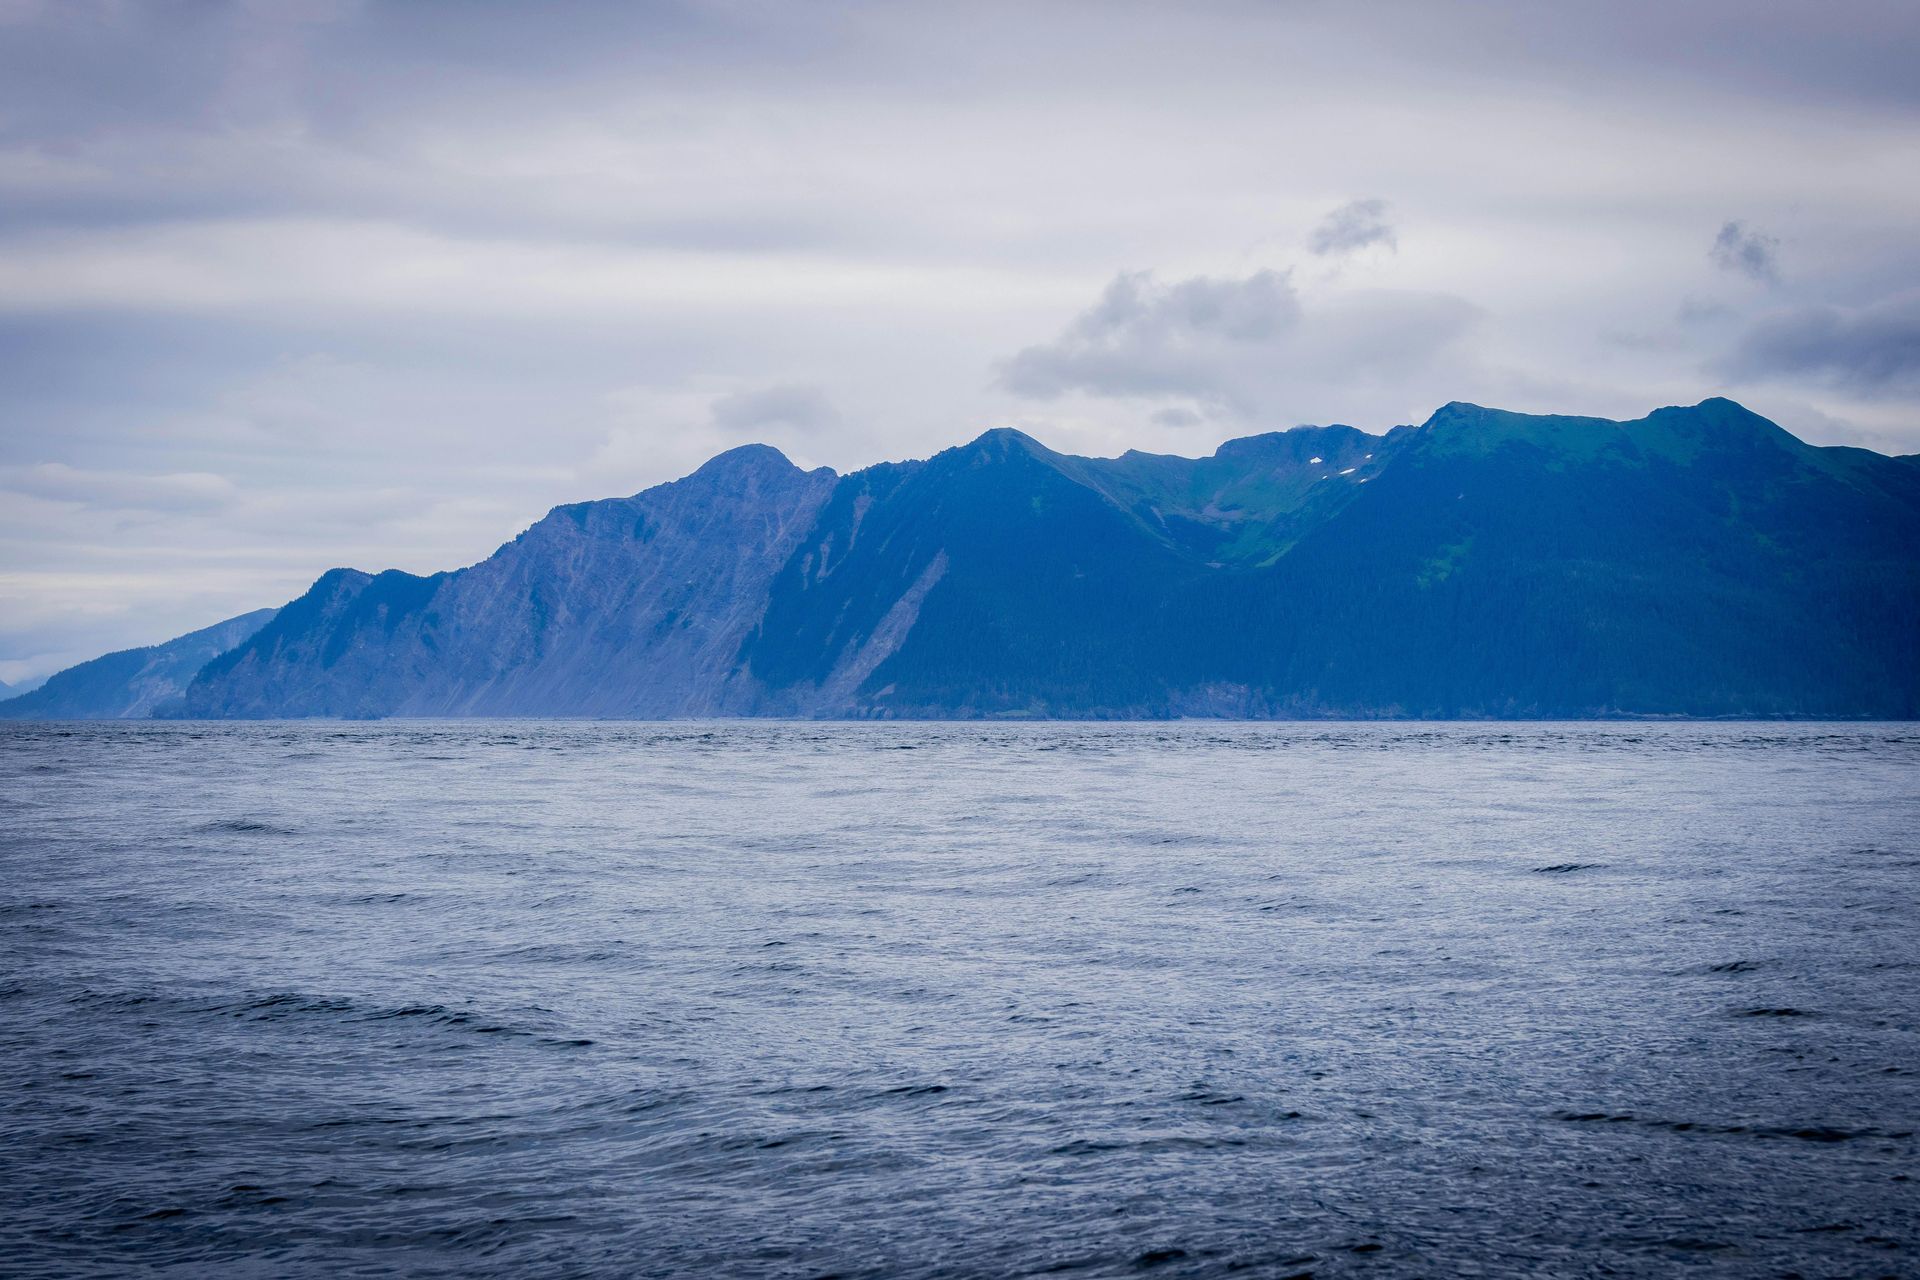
column 297, row 284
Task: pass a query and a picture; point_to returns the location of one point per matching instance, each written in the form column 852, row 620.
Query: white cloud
column 180, row 491
column 316, row 265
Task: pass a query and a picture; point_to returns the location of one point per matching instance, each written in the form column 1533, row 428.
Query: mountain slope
column 133, row 683
column 626, row 607
column 990, row 579
column 1698, row 561
column 1247, row 502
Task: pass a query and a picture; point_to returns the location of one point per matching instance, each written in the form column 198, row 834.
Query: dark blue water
column 793, row 1000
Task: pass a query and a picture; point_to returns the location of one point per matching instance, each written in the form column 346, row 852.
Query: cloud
column 1870, row 350
column 1177, row 417
column 1147, row 338
column 407, row 274
column 312, row 266
column 182, row 491
column 1353, row 227
column 1750, row 253
column 1240, row 345
column 802, row 408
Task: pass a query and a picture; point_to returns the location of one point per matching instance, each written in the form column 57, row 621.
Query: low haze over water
column 792, row 999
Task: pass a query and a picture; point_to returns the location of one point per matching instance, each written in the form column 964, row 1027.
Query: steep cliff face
column 1699, row 561
column 132, row 684
column 628, row 607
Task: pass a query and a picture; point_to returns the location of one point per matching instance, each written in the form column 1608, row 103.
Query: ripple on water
column 959, row 1000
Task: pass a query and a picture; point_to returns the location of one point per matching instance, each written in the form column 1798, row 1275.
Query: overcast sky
column 302, row 283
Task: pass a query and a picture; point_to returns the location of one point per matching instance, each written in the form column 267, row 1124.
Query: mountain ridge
column 1699, row 560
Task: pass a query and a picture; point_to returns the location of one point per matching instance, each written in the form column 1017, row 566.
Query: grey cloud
column 1741, row 249
column 1353, row 227
column 1787, row 52
column 76, row 62
column 1871, row 350
column 1147, row 338
column 117, row 114
column 1702, row 311
column 77, row 67
column 801, row 408
column 970, row 168
column 1235, row 344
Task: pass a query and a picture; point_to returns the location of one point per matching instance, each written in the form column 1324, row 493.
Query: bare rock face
column 627, row 607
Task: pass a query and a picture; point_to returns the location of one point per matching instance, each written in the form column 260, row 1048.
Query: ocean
column 959, row 1000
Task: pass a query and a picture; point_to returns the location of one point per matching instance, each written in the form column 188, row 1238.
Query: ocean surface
column 771, row 999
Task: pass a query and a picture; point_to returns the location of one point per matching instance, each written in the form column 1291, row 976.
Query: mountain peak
column 746, row 457
column 1716, row 410
column 1720, row 423
column 1457, row 411
column 748, row 468
column 1006, row 438
column 1000, row 444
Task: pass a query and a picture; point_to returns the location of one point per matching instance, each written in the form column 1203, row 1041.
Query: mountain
column 628, row 607
column 1698, row 561
column 1001, row 578
column 133, row 683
